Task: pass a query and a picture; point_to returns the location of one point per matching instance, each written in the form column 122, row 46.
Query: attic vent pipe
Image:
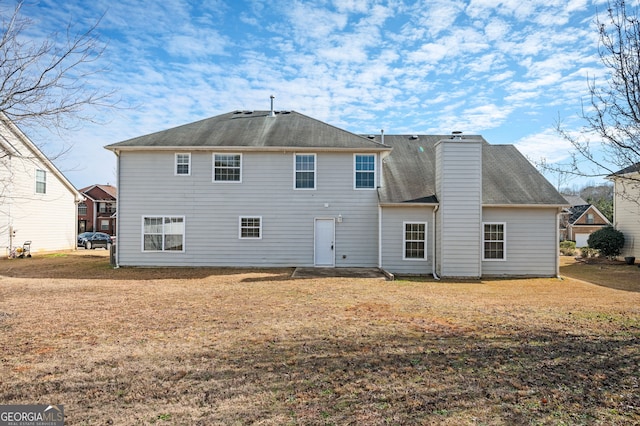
column 456, row 135
column 382, row 136
column 273, row 114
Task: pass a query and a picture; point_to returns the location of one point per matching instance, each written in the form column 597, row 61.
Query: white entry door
column 324, row 242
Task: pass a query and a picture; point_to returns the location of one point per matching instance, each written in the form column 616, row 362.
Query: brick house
column 98, row 211
column 580, row 220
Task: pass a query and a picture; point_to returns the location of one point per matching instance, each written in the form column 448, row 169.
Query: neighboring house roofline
column 627, row 172
column 103, row 188
column 591, row 206
column 40, row 155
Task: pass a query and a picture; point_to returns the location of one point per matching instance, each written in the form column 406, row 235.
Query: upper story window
column 415, row 240
column 106, row 207
column 227, row 167
column 305, row 171
column 590, row 219
column 365, row 171
column 494, row 240
column 183, row 164
column 41, row 181
column 82, row 209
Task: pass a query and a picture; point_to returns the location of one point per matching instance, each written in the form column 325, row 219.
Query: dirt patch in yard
column 217, row 346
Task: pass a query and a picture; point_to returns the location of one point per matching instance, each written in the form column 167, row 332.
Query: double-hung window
column 305, row 171
column 82, row 209
column 494, row 241
column 227, row 167
column 415, row 240
column 183, row 164
column 364, row 171
column 163, row 233
column 250, row 227
column 41, row 181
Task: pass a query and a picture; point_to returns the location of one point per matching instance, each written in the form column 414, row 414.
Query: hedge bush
column 608, row 240
column 568, row 248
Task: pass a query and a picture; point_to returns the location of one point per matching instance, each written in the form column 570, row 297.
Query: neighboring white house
column 626, row 207
column 266, row 188
column 37, row 203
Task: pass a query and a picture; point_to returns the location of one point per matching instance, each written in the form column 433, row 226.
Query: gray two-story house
column 281, row 189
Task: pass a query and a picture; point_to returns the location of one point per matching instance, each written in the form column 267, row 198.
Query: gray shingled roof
column 507, row 176
column 634, row 168
column 254, row 129
column 408, row 171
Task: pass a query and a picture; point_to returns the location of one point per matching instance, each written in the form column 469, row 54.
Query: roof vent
column 414, row 137
column 272, row 112
column 456, row 135
column 248, row 112
column 371, row 136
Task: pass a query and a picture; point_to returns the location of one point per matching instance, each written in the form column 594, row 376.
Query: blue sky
column 504, row 69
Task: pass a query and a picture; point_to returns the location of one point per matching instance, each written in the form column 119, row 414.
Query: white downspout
column 433, row 245
column 379, row 236
column 558, row 214
column 117, row 251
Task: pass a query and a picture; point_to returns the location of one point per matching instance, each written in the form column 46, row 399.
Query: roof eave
column 527, row 206
column 246, row 148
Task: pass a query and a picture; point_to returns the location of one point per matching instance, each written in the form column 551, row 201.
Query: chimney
column 273, row 113
column 458, row 164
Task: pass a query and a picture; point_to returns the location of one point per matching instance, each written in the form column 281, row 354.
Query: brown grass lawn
column 223, row 346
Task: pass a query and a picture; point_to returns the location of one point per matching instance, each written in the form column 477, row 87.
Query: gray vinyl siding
column 459, row 189
column 531, row 243
column 211, row 210
column 393, row 219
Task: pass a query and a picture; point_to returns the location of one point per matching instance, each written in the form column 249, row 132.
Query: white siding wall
column 148, row 186
column 48, row 220
column 627, row 215
column 531, row 242
column 459, row 189
column 393, row 219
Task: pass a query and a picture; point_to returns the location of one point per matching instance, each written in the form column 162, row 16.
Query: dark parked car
column 91, row 240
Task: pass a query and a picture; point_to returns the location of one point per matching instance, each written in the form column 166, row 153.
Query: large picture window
column 183, row 164
column 251, row 227
column 163, row 233
column 494, row 241
column 365, row 171
column 305, row 171
column 41, row 181
column 227, row 167
column 415, row 240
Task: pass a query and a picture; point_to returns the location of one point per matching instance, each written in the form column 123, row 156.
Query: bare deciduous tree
column 45, row 81
column 613, row 114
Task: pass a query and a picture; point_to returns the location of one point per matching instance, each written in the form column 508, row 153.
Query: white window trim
column 240, row 227
column 184, row 234
column 504, row 241
column 375, row 172
column 213, row 167
column 40, row 181
column 175, row 164
column 315, row 171
column 404, row 241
